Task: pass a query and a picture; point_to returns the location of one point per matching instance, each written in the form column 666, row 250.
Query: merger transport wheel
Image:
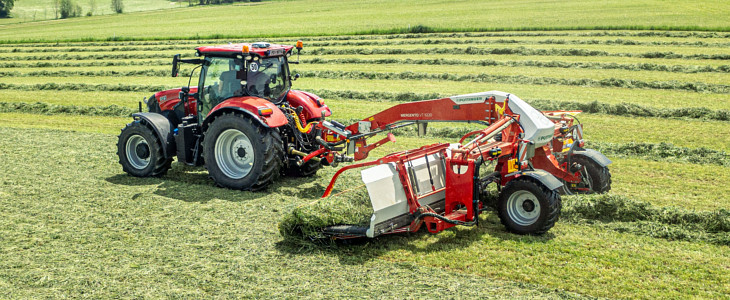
column 526, row 206
column 241, row 154
column 140, row 151
column 594, row 177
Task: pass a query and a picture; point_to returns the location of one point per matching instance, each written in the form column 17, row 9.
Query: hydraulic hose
column 299, row 125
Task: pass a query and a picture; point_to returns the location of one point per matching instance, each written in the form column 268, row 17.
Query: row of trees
column 5, row 7
column 63, row 8
column 204, row 2
column 70, row 9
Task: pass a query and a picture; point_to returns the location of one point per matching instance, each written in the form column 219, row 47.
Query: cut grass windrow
column 607, row 211
column 118, row 40
column 523, row 51
column 519, row 79
column 514, row 51
column 108, row 73
column 110, row 56
column 563, row 34
column 435, row 61
column 620, row 109
column 90, row 49
column 84, row 87
column 652, row 33
column 528, row 63
column 663, row 152
column 55, row 109
column 623, row 214
column 622, row 42
column 631, row 109
column 103, row 63
column 375, row 42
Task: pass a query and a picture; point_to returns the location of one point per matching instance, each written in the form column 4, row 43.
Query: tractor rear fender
column 162, row 128
column 550, row 181
column 261, row 110
column 596, row 156
column 313, row 106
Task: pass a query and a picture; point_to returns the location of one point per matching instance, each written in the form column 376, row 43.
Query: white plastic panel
column 538, row 128
column 386, row 194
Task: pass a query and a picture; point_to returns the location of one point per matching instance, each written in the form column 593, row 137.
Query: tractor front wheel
column 594, row 177
column 140, row 151
column 241, row 154
column 526, row 206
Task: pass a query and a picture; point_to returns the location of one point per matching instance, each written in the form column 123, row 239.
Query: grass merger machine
column 247, row 126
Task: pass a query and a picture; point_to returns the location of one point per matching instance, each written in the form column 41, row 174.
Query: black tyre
column 308, row 169
column 241, row 154
column 594, row 177
column 526, row 206
column 140, row 151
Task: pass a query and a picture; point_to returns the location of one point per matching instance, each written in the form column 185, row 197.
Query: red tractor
column 243, row 121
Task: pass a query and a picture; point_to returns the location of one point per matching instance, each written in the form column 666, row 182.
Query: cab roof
column 260, row 48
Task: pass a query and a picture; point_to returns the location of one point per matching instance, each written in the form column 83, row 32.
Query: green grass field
column 315, row 17
column 657, row 102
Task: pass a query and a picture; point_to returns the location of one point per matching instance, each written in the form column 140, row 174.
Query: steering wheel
column 252, row 89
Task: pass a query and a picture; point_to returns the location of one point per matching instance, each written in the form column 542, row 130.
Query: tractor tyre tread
column 548, row 198
column 159, row 165
column 272, row 154
column 273, row 159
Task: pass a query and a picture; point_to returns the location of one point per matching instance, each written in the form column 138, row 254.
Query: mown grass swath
column 396, row 61
column 518, row 79
column 528, row 63
column 517, row 51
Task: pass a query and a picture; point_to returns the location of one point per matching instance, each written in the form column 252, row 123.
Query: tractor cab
column 258, row 70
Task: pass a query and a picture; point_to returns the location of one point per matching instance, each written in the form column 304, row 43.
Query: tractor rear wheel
column 241, row 154
column 594, row 177
column 140, row 151
column 526, row 206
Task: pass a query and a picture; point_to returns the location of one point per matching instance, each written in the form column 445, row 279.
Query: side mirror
column 296, row 76
column 175, row 66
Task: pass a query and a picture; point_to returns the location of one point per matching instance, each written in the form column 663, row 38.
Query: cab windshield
column 224, row 78
column 267, row 78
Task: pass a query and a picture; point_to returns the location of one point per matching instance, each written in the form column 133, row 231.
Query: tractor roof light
column 245, row 49
column 300, row 45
